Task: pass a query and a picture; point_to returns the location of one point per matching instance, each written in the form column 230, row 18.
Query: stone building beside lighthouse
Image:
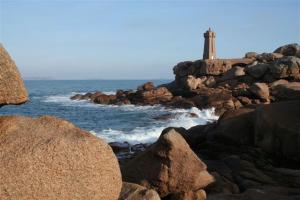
column 209, row 51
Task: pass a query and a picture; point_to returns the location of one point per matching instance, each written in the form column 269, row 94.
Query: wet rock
column 12, row 89
column 219, row 98
column 49, row 158
column 168, row 166
column 179, row 102
column 131, row 191
column 76, row 97
column 169, row 116
column 118, row 146
column 104, row 99
column 155, row 96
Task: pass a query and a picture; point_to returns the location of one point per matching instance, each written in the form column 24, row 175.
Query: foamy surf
column 142, row 133
column 150, row 134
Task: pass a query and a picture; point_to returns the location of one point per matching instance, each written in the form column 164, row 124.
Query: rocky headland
column 251, row 152
column 225, row 84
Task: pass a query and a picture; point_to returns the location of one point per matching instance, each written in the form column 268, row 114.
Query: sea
column 126, row 123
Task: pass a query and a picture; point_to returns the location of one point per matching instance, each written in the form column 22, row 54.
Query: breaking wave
column 144, row 132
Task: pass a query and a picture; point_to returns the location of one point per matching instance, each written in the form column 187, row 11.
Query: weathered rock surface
column 12, row 89
column 192, row 83
column 289, row 50
column 232, row 73
column 168, row 166
column 286, row 91
column 49, row 158
column 286, row 67
column 131, row 191
column 260, row 90
column 277, row 129
column 257, row 71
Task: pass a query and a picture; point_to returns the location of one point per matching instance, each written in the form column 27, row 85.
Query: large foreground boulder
column 168, row 166
column 277, row 129
column 49, row 158
column 12, row 89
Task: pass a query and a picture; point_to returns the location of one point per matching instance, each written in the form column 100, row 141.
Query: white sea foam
column 150, row 134
column 109, row 92
column 140, row 134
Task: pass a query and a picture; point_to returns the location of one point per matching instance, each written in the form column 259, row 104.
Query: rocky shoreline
column 266, row 78
column 251, row 152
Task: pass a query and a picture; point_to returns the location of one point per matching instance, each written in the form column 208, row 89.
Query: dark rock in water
column 170, row 116
column 49, row 158
column 131, row 191
column 179, row 102
column 118, row 147
column 220, row 99
column 104, row 99
column 12, row 89
column 168, row 166
column 152, row 97
column 77, row 97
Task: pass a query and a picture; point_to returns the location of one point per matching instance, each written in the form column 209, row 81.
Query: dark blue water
column 113, row 123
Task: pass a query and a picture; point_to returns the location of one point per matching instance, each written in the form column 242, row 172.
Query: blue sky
column 93, row 39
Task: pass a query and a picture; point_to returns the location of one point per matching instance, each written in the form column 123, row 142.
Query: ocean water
column 128, row 123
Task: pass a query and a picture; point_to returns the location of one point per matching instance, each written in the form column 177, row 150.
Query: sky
column 137, row 39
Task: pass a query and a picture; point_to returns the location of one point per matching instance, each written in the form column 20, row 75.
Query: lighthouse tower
column 209, row 51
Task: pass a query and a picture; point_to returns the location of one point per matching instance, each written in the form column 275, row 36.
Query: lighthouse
column 209, row 51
